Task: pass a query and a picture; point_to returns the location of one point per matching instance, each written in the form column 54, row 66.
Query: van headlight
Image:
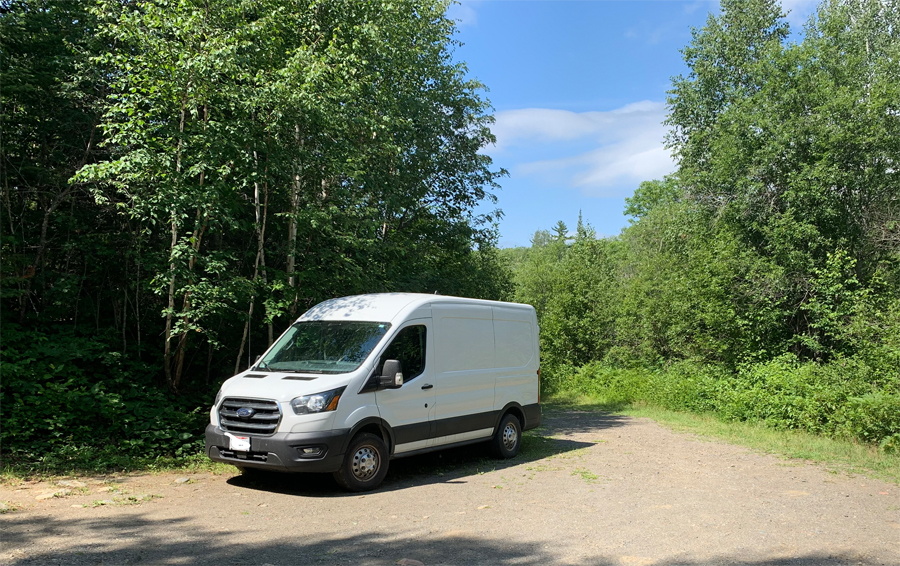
column 218, row 398
column 317, row 402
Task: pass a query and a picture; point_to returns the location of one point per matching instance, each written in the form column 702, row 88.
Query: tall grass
column 842, row 399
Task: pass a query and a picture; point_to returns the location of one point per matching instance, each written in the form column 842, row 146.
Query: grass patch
column 586, row 475
column 6, row 507
column 15, row 472
column 838, row 455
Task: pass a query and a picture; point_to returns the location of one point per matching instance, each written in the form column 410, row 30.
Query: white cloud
column 623, row 163
column 512, row 127
column 463, row 12
column 603, row 153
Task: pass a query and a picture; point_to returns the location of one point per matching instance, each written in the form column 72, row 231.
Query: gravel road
column 588, row 488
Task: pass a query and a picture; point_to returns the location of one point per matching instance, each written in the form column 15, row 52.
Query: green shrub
column 874, row 418
column 846, row 397
column 69, row 400
column 784, row 393
column 615, row 386
column 687, row 386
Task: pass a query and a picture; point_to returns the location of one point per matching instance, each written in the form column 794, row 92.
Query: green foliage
column 761, row 281
column 791, row 145
column 67, row 398
column 578, row 320
column 650, row 195
column 617, row 387
column 838, row 399
column 874, row 417
column 181, row 179
column 537, row 277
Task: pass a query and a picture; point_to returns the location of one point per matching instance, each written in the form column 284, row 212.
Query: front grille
column 263, row 422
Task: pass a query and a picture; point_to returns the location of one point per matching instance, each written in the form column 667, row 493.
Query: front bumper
column 282, row 451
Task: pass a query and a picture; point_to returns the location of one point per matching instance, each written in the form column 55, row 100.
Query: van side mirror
column 391, row 375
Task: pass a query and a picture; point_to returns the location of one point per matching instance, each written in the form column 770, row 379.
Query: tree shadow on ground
column 561, row 421
column 138, row 539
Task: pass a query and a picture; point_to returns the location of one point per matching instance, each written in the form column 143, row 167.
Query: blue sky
column 578, row 88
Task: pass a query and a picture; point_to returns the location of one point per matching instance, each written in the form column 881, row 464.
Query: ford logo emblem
column 245, row 412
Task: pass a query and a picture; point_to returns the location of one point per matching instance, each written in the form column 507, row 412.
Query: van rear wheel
column 365, row 464
column 508, row 438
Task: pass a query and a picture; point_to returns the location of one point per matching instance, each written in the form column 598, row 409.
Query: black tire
column 365, row 464
column 508, row 438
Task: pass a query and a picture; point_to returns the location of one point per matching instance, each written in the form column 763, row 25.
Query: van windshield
column 322, row 346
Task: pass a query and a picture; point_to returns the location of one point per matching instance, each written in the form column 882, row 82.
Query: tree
column 538, row 277
column 49, row 131
column 560, row 232
column 723, row 59
column 794, row 146
column 181, row 178
column 235, row 114
column 650, row 195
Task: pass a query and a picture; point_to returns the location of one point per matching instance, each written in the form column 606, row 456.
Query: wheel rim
column 510, row 437
column 365, row 463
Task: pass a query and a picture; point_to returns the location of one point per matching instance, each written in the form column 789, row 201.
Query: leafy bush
column 874, row 417
column 687, row 386
column 786, row 394
column 69, row 400
column 615, row 385
column 841, row 398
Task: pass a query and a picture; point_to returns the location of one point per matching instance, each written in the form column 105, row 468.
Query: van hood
column 281, row 387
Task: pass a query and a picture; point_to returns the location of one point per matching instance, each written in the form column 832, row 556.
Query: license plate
column 238, row 443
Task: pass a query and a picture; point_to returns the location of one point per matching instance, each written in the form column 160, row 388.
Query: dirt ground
column 588, row 488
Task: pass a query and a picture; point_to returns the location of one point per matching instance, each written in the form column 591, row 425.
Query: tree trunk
column 259, row 261
column 237, row 362
column 167, row 351
column 262, row 253
column 292, row 228
column 170, row 312
column 195, row 247
column 186, row 302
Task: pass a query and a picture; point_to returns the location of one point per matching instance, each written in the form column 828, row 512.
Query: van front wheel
column 508, row 437
column 364, row 465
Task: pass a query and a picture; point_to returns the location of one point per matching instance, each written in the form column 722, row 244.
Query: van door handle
column 427, row 386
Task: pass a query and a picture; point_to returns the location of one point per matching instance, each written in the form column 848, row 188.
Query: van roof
column 385, row 307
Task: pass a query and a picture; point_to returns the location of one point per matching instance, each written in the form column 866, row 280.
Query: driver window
column 408, row 347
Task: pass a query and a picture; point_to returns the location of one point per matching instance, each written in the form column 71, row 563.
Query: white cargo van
column 359, row 380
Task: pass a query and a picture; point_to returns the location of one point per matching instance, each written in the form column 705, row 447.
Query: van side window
column 408, row 347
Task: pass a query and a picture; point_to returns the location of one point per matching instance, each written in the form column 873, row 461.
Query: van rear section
column 357, row 381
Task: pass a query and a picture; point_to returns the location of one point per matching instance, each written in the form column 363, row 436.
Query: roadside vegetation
column 760, row 283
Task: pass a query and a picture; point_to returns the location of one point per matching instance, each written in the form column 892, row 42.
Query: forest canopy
column 182, row 179
column 761, row 280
